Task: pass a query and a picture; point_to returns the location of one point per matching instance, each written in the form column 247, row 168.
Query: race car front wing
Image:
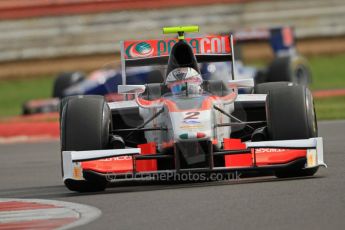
column 248, row 156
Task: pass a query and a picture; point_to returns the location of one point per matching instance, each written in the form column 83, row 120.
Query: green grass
column 330, row 108
column 13, row 93
column 328, row 72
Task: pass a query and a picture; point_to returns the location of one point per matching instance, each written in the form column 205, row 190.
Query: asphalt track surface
column 33, row 171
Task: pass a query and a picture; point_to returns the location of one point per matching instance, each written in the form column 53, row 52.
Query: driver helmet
column 184, row 79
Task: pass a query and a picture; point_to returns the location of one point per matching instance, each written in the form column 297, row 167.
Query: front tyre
column 291, row 115
column 85, row 125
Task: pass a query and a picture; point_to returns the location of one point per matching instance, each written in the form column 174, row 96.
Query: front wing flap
column 71, row 160
column 314, row 147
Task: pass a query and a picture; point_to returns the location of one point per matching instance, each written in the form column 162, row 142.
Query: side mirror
column 131, row 89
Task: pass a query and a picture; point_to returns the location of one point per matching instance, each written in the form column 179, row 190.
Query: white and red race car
column 186, row 125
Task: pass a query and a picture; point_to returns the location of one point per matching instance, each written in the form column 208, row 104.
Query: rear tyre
column 65, row 80
column 85, row 125
column 291, row 115
column 292, row 69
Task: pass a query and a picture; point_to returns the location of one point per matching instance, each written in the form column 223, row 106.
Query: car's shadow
column 59, row 191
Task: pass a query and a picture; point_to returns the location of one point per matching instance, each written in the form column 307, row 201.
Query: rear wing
column 281, row 39
column 217, row 48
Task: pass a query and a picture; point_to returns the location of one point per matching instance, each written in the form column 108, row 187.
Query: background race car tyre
column 26, row 109
column 85, row 125
column 292, row 69
column 65, row 80
column 291, row 115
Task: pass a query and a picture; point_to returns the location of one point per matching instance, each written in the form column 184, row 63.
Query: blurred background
column 41, row 38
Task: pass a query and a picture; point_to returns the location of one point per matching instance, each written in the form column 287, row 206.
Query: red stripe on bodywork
column 147, row 165
column 239, row 160
column 18, row 206
column 269, row 156
column 206, row 105
column 263, row 156
column 123, row 164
